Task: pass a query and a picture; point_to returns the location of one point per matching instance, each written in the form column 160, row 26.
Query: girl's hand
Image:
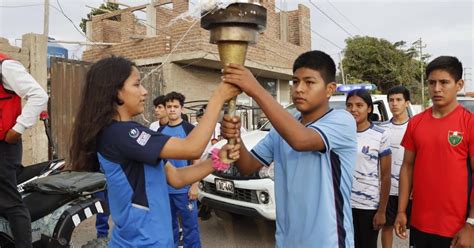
column 230, row 153
column 226, row 91
column 241, row 77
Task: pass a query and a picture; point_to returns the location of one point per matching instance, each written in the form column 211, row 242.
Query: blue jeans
column 182, row 207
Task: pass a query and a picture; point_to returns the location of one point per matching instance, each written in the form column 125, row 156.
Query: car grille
column 233, row 174
column 245, row 195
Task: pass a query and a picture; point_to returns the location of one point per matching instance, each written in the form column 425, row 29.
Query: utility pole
column 419, row 44
column 342, row 69
column 46, row 18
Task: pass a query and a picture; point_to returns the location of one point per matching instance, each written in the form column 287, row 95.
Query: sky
column 445, row 27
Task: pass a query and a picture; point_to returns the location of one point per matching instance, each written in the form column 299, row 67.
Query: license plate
column 224, row 186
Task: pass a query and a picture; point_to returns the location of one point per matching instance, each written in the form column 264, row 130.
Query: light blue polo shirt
column 312, row 189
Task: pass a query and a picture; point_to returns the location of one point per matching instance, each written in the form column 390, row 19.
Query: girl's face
column 133, row 95
column 358, row 108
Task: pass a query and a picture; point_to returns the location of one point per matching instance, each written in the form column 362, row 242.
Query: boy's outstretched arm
column 296, row 134
column 194, row 144
column 230, row 128
column 180, row 177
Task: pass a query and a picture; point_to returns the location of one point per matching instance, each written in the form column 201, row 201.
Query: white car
column 467, row 102
column 254, row 195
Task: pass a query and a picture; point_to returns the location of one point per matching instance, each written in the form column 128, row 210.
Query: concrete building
column 181, row 49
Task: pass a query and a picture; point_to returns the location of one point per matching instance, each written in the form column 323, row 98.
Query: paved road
column 226, row 232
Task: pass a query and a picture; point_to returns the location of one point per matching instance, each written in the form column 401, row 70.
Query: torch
column 233, row 29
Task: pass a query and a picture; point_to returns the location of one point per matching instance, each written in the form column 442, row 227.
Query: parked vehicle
column 254, row 195
column 58, row 201
column 467, row 101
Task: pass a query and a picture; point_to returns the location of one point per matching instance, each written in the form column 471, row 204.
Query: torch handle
column 231, row 111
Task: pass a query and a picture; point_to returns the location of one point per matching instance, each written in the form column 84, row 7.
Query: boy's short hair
column 159, row 100
column 318, row 61
column 446, row 63
column 173, row 95
column 399, row 89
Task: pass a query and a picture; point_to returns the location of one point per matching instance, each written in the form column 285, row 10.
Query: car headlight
column 263, row 197
column 267, row 172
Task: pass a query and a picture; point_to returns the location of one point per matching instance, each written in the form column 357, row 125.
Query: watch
column 470, row 221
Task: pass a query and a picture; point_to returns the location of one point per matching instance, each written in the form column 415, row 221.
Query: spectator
column 16, row 83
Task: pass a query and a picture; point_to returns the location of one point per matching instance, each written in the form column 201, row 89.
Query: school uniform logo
column 454, row 137
column 133, row 133
column 143, row 138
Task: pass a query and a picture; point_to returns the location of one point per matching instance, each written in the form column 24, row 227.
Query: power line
column 69, row 19
column 344, row 16
column 21, row 6
column 313, row 31
column 324, row 13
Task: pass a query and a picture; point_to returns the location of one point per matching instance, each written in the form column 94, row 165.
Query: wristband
column 470, row 221
column 217, row 164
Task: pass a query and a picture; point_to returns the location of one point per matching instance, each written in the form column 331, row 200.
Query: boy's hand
column 241, row 77
column 230, row 127
column 401, row 225
column 464, row 238
column 227, row 91
column 379, row 220
column 193, row 192
column 230, row 153
column 12, row 137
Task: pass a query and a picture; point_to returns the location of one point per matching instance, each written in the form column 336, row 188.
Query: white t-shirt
column 372, row 144
column 155, row 126
column 396, row 135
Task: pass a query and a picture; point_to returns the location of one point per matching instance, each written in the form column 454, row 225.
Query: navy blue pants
column 182, row 207
column 11, row 203
column 101, row 219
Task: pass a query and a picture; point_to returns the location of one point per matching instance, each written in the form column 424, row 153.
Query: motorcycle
column 58, row 202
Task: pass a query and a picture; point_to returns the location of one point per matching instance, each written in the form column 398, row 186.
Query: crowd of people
column 339, row 177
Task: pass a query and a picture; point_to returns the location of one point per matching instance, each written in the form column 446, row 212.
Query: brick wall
column 270, row 50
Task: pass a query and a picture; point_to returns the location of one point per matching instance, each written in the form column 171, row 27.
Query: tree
column 104, row 8
column 378, row 61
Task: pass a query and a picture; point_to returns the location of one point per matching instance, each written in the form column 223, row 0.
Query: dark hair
column 97, row 108
column 365, row 95
column 399, row 89
column 159, row 100
column 446, row 63
column 173, row 95
column 318, row 61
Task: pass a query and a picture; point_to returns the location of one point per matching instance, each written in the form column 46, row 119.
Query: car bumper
column 245, row 200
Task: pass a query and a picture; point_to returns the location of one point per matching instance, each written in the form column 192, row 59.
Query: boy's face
column 397, row 104
column 160, row 111
column 173, row 109
column 309, row 92
column 198, row 118
column 443, row 88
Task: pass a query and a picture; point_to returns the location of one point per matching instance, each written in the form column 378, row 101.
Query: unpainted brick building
column 187, row 61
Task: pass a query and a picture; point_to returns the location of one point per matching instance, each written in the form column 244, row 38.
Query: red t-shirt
column 441, row 173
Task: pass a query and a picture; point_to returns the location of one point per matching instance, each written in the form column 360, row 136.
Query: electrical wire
column 324, row 13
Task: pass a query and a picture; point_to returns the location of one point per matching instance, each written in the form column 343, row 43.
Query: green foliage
column 103, row 8
column 378, row 61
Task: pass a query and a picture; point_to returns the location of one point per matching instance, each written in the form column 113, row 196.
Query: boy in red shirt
column 437, row 165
